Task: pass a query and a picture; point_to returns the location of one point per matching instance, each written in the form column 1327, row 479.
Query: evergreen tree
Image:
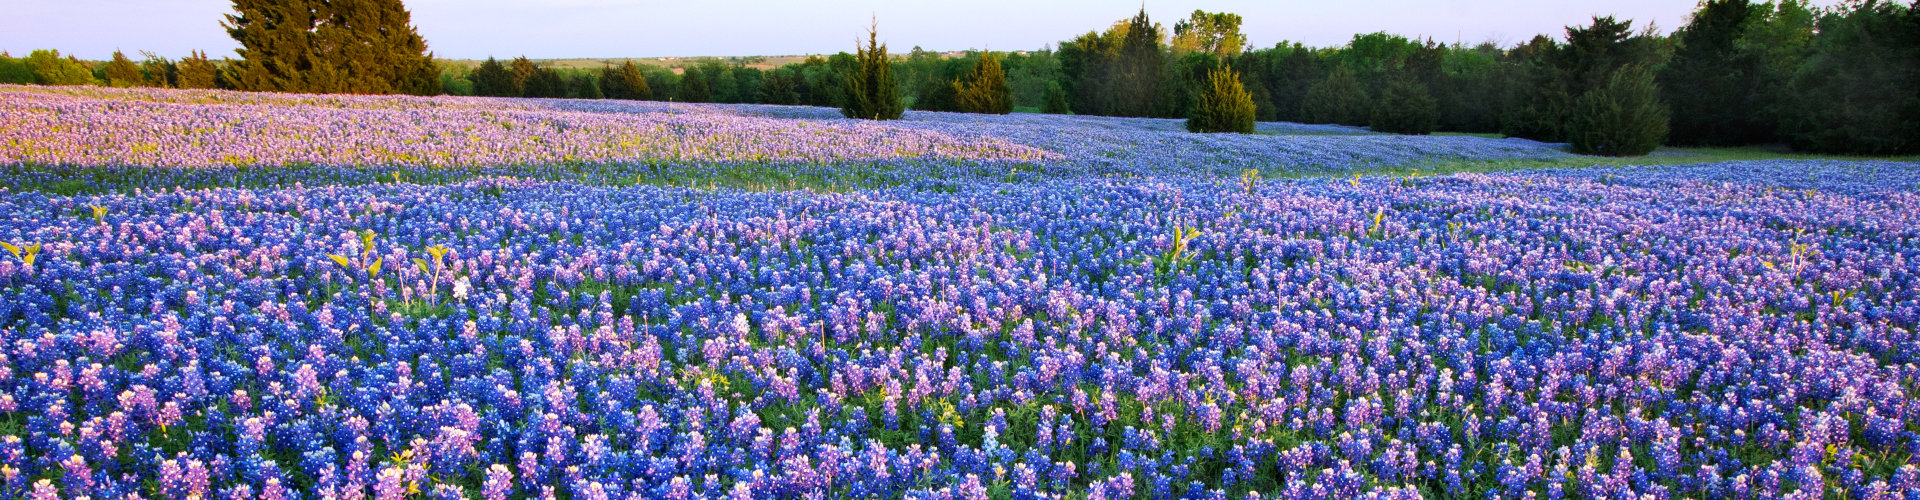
column 778, row 88
column 1405, row 107
column 493, row 79
column 197, row 72
column 984, row 90
column 1293, row 75
column 1054, row 101
column 1338, row 99
column 13, row 70
column 938, row 94
column 1855, row 94
column 122, row 72
column 1622, row 118
column 358, row 46
column 1223, row 105
column 870, row 92
column 1140, row 66
column 693, row 87
column 583, row 87
column 275, row 37
column 523, row 72
column 545, row 83
column 1553, row 76
column 625, row 82
column 721, row 85
column 157, row 71
column 1088, row 67
column 1712, row 84
column 49, row 68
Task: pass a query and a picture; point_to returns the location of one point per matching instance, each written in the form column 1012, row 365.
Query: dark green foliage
column 330, row 46
column 721, row 85
column 1712, row 85
column 1538, row 101
column 937, row 95
column 157, row 71
column 123, row 72
column 984, row 90
column 777, row 87
column 1118, row 72
column 1055, row 101
column 584, row 87
column 1337, row 99
column 545, row 82
column 197, row 72
column 1405, row 107
column 1087, row 71
column 693, row 87
column 1472, row 88
column 1552, row 75
column 493, row 79
column 49, row 68
column 14, row 70
column 1187, row 76
column 1029, row 75
column 624, row 82
column 1223, row 105
column 1624, row 117
column 1294, row 71
column 870, row 91
column 1139, row 69
column 746, row 84
column 1856, row 92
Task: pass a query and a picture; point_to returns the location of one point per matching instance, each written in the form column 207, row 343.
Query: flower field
column 1023, row 307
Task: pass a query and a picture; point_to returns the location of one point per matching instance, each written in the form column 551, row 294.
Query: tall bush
column 984, row 90
column 1405, row 107
column 1338, row 99
column 1712, row 85
column 1054, row 100
column 197, row 72
column 693, row 86
column 1856, row 93
column 624, row 82
column 1624, row 117
column 49, row 68
column 870, row 91
column 1223, row 105
column 122, row 72
column 13, row 70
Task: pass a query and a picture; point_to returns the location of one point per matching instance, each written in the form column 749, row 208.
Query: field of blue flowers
column 210, row 295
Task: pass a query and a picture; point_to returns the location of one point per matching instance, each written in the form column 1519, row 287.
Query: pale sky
column 468, row 29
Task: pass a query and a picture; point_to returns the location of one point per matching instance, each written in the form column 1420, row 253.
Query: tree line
column 1839, row 79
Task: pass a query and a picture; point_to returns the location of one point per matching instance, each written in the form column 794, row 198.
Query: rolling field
column 210, row 294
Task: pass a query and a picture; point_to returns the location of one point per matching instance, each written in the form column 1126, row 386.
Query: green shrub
column 1054, row 100
column 624, row 82
column 14, row 70
column 1406, row 107
column 1337, row 99
column 1223, row 105
column 984, row 90
column 693, row 86
column 870, row 91
column 778, row 88
column 1624, row 117
column 50, row 69
column 197, row 72
column 122, row 72
column 1856, row 92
